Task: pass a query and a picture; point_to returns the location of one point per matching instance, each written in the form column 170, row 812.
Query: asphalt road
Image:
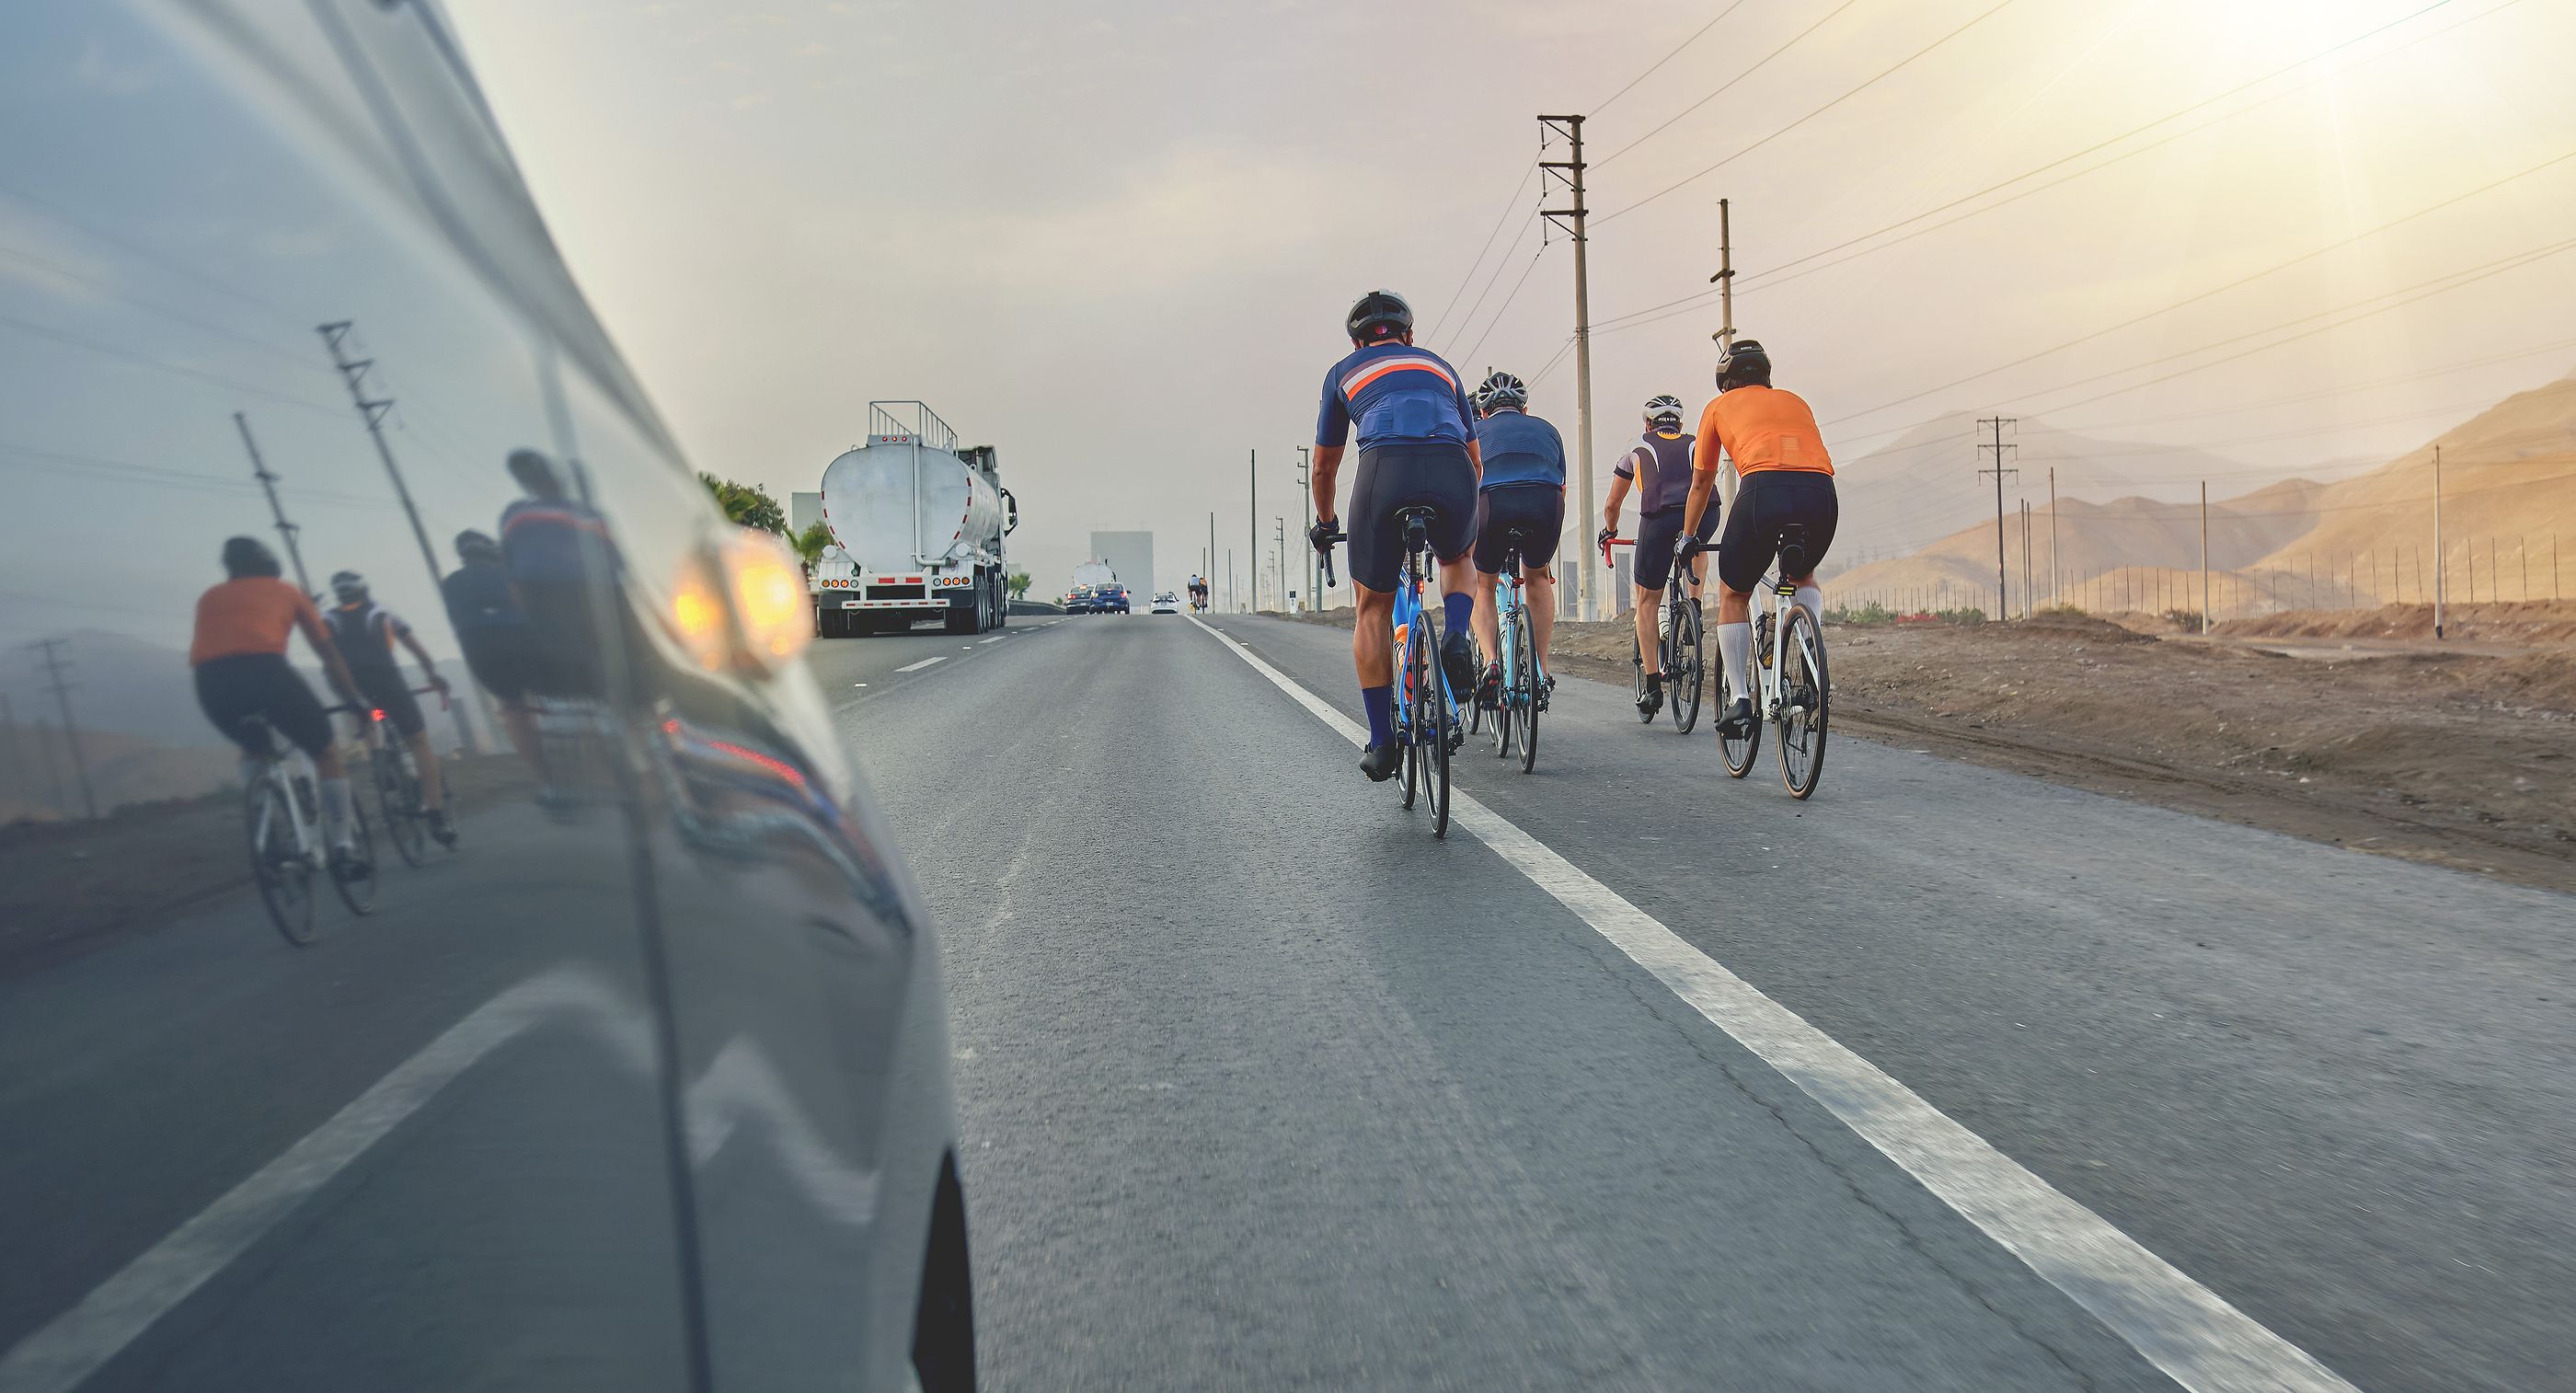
column 1261, row 1086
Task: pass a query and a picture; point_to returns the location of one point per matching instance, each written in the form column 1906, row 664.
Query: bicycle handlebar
column 1614, row 542
column 1326, row 551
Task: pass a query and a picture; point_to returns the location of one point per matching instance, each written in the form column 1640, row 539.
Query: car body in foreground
column 646, row 1086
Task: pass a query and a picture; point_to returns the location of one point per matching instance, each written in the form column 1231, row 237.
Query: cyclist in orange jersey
column 1785, row 478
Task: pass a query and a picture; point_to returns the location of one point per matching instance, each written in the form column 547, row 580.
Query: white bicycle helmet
column 1664, row 408
column 1501, row 389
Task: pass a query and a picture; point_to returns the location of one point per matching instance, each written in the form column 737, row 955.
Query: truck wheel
column 960, row 621
column 829, row 624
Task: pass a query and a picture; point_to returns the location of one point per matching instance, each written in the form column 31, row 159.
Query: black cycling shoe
column 1380, row 762
column 1492, row 692
column 1737, row 723
column 1650, row 703
column 1546, row 689
column 441, row 828
column 347, row 866
column 1458, row 659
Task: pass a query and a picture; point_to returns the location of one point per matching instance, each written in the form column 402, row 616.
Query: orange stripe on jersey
column 1352, row 384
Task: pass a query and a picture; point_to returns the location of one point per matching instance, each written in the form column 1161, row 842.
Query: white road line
column 997, row 638
column 916, row 667
column 740, row 1085
column 2182, row 1327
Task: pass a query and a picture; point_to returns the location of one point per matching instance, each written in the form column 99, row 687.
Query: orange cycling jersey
column 253, row 614
column 1761, row 428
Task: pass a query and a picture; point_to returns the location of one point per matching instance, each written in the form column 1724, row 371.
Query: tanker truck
column 917, row 526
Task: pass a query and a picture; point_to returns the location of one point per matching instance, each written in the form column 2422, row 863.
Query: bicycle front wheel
column 398, row 796
column 277, row 864
column 1805, row 693
column 1525, row 689
column 358, row 892
column 1685, row 666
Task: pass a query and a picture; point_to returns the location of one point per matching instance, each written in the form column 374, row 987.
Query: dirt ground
column 2463, row 760
column 66, row 887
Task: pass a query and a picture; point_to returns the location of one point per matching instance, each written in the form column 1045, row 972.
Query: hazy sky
column 1116, row 239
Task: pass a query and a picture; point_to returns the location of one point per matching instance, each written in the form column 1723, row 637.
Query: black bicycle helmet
column 1379, row 316
column 1744, row 365
column 249, row 556
column 1499, row 390
column 476, row 546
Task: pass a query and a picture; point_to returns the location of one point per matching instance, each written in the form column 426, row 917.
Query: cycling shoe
column 1380, row 762
column 1458, row 659
column 1737, row 723
column 441, row 828
column 1649, row 704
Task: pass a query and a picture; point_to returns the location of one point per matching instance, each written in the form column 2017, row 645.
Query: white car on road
column 1165, row 602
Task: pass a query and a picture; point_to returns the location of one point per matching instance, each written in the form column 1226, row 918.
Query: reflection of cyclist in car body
column 563, row 568
column 1417, row 449
column 500, row 648
column 238, row 657
column 1523, row 486
column 1659, row 465
column 1787, row 480
column 365, row 633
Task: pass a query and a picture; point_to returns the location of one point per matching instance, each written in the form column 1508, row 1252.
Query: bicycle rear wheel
column 1524, row 682
column 1805, row 693
column 1738, row 751
column 1405, row 686
column 1505, row 715
column 277, row 864
column 398, row 796
column 1685, row 666
column 1431, row 721
column 358, row 892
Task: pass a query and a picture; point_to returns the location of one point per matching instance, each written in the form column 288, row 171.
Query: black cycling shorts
column 1538, row 510
column 1395, row 477
column 503, row 657
column 229, row 690
column 387, row 691
column 1769, row 500
column 1658, row 534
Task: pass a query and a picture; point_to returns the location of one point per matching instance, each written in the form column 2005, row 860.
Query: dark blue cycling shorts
column 1395, row 477
column 1536, row 511
column 1658, row 534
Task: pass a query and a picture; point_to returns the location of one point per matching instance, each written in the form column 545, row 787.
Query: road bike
column 1522, row 694
column 397, row 782
column 1681, row 648
column 1792, row 689
column 1426, row 711
column 282, row 812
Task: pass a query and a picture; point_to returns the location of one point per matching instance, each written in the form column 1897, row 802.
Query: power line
column 1507, row 303
column 110, row 350
column 1506, row 215
column 1729, row 83
column 2340, row 389
column 1499, row 268
column 1597, row 107
column 2241, row 280
column 2472, row 273
column 1772, row 276
column 1881, row 76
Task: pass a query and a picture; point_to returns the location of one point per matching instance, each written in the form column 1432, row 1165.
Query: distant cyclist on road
column 365, row 633
column 1417, row 448
column 238, row 654
column 1787, row 479
column 1523, row 487
column 1659, row 466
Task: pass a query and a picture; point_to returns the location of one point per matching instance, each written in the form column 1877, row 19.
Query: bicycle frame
column 280, row 769
column 1408, row 607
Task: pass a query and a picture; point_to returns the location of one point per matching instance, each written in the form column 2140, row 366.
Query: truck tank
column 871, row 505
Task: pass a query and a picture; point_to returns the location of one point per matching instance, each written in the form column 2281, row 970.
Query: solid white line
column 997, row 638
column 916, row 667
column 2182, row 1327
column 740, row 1085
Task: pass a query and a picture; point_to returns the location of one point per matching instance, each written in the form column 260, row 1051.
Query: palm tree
column 810, row 545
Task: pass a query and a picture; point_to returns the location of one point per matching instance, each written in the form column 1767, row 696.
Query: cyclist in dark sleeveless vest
column 1658, row 467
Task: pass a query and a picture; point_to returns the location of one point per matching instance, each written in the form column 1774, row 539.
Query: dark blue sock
column 1380, row 702
column 1454, row 612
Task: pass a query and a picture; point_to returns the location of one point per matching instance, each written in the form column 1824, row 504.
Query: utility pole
column 1997, row 424
column 2441, row 585
column 2053, row 597
column 335, row 337
column 1569, row 171
column 1725, row 280
column 18, row 780
column 1279, row 567
column 1306, row 495
column 2204, row 556
column 1231, row 598
column 1208, row 572
column 2027, row 607
column 1252, row 535
column 268, row 485
column 61, row 687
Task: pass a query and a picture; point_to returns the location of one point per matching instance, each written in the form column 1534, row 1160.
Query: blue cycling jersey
column 1399, row 395
column 1519, row 448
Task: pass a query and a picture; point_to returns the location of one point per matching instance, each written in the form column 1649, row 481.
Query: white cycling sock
column 1812, row 600
column 1735, row 650
column 336, row 805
